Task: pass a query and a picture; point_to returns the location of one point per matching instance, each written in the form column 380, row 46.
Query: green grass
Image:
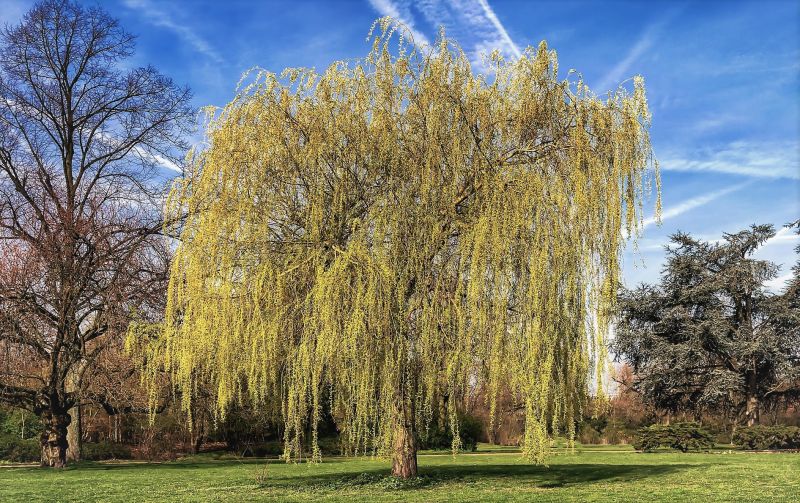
column 590, row 474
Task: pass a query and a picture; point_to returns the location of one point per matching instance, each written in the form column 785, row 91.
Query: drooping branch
column 393, row 231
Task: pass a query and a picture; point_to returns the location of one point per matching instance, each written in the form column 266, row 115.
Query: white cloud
column 160, row 18
column 614, row 77
column 476, row 20
column 773, row 160
column 784, row 235
column 467, row 20
column 143, row 153
column 165, row 163
column 692, row 203
column 779, row 283
column 492, row 17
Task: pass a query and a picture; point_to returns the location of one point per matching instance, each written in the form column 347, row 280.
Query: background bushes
column 18, row 450
column 682, row 436
column 470, row 430
column 767, row 437
column 102, row 451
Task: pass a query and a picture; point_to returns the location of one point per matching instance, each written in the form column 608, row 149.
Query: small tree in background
column 379, row 238
column 710, row 337
column 81, row 140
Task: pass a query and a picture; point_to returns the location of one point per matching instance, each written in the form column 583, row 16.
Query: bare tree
column 83, row 145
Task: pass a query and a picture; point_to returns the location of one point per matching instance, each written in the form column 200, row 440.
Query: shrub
column 19, row 451
column 682, row 436
column 767, row 437
column 470, row 429
column 244, row 427
column 101, row 451
column 601, row 430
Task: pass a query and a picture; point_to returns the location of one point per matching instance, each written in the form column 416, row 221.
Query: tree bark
column 752, row 405
column 404, row 456
column 197, row 437
column 75, row 428
column 75, row 434
column 54, row 438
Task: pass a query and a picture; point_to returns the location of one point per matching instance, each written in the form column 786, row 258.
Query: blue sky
column 723, row 81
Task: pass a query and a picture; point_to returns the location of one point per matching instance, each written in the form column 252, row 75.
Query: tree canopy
column 381, row 237
column 710, row 337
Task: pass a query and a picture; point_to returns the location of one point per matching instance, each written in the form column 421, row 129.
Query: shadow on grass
column 378, row 478
column 179, row 464
column 554, row 475
column 537, row 476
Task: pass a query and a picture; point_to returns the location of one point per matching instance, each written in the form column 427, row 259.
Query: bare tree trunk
column 54, row 437
column 75, row 434
column 197, row 437
column 75, row 428
column 117, row 431
column 404, row 456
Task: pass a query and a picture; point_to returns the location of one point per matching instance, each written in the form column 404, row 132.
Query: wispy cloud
column 690, row 204
column 775, row 160
column 400, row 12
column 158, row 17
column 621, row 69
column 475, row 20
column 472, row 22
column 645, row 42
column 144, row 154
column 492, row 17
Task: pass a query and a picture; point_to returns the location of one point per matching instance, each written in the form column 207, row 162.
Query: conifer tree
column 710, row 337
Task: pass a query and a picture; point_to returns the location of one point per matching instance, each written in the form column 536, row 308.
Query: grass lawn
column 591, row 474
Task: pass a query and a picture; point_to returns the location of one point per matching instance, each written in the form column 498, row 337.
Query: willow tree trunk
column 53, row 439
column 404, row 455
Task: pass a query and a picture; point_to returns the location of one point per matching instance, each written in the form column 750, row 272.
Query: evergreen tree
column 710, row 337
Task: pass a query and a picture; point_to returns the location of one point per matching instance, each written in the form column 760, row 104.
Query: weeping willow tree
column 391, row 233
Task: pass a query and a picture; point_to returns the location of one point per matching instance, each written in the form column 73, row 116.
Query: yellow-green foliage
column 400, row 229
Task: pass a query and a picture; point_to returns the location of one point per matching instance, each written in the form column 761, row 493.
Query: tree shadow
column 554, row 476
column 178, row 464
